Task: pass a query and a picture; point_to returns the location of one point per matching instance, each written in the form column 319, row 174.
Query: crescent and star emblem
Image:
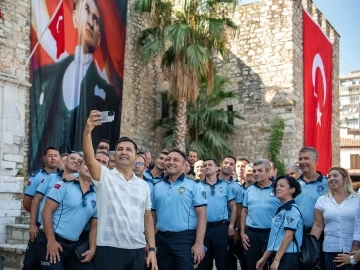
column 318, row 64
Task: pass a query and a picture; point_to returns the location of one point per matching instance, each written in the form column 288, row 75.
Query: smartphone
column 107, row 116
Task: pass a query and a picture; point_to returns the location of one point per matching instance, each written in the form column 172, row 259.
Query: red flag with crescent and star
column 317, row 92
column 57, row 29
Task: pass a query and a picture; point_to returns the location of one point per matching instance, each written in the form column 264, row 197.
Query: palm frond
column 179, row 35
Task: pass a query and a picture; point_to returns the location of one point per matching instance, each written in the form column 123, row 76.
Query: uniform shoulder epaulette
column 35, row 173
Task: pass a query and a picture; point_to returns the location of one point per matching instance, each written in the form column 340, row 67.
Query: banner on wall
column 77, row 66
column 317, row 92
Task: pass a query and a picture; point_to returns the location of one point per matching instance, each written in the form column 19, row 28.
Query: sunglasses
column 212, row 190
column 139, row 163
column 84, row 201
column 81, row 154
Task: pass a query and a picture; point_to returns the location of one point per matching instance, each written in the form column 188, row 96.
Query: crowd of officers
column 116, row 210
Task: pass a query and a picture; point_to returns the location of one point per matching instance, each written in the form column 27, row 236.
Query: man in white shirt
column 124, row 216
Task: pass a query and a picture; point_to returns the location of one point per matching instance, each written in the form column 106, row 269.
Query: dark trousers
column 289, row 261
column 119, row 258
column 236, row 252
column 174, row 251
column 331, row 265
column 31, row 261
column 216, row 240
column 68, row 258
column 258, row 240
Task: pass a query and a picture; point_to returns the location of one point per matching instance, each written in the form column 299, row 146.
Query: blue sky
column 344, row 16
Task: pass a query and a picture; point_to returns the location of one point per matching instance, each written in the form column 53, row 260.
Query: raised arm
column 88, row 149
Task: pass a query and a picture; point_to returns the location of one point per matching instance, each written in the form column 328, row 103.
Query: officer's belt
column 62, row 239
column 216, row 223
column 257, row 230
column 174, row 234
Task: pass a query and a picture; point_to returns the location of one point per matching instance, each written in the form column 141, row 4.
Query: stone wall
column 141, row 100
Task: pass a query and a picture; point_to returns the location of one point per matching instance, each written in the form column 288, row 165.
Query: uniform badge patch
column 320, row 189
column 181, row 190
column 272, row 193
column 57, row 186
column 278, row 217
column 289, row 220
column 203, row 193
column 93, row 203
column 221, row 190
column 28, row 183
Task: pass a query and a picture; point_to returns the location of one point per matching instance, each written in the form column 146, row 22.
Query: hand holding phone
column 107, row 116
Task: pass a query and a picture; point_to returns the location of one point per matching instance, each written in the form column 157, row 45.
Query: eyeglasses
column 212, row 190
column 81, row 154
column 139, row 163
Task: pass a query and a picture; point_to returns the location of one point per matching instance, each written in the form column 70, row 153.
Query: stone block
column 7, row 137
column 7, row 220
column 10, row 93
column 10, row 213
column 10, row 184
column 9, row 205
column 12, row 157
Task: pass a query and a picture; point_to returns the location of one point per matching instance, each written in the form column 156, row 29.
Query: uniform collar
column 227, row 181
column 181, row 178
column 92, row 189
column 162, row 175
column 44, row 171
column 286, row 206
column 218, row 181
column 270, row 186
column 117, row 172
column 319, row 179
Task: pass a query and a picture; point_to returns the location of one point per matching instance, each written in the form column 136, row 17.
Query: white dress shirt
column 339, row 221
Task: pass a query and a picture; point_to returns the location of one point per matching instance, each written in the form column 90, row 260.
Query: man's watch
column 352, row 260
column 153, row 249
column 236, row 229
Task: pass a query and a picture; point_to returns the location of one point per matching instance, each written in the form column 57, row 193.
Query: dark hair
column 179, row 152
column 243, row 159
column 293, row 183
column 194, row 152
column 105, row 141
column 103, row 153
column 51, row 148
column 126, row 139
column 137, row 155
column 165, row 152
column 64, row 155
column 211, row 159
column 230, row 157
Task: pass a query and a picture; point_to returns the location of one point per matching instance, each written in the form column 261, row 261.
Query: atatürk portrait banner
column 77, row 67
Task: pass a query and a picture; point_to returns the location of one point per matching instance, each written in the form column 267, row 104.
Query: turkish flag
column 57, row 29
column 318, row 92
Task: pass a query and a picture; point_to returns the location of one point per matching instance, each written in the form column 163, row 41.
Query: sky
column 344, row 16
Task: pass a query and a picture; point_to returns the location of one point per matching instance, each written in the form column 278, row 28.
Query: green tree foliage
column 275, row 143
column 209, row 125
column 185, row 34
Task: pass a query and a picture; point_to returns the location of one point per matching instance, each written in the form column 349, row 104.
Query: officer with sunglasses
column 69, row 207
column 219, row 194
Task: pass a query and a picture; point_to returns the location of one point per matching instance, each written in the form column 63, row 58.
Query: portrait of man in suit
column 64, row 93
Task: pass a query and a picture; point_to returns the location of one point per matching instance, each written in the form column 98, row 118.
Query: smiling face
column 86, row 19
column 160, row 162
column 227, row 166
column 174, row 164
column 84, row 171
column 260, row 174
column 336, row 180
column 307, row 162
column 102, row 159
column 210, row 168
column 249, row 176
column 72, row 162
column 283, row 190
column 125, row 154
column 199, row 169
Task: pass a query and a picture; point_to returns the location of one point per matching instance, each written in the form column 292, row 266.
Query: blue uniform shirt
column 150, row 184
column 235, row 186
column 175, row 203
column 75, row 208
column 217, row 197
column 261, row 204
column 44, row 188
column 310, row 192
column 148, row 175
column 288, row 217
column 34, row 181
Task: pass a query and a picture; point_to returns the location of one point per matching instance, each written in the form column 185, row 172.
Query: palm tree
column 209, row 125
column 185, row 34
